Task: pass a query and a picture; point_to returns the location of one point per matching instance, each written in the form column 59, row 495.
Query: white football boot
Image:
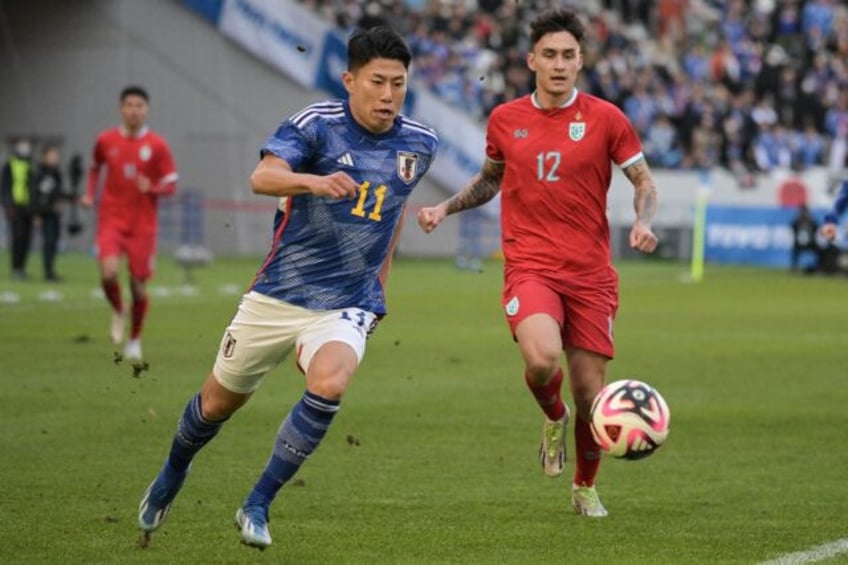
column 585, row 502
column 116, row 331
column 132, row 350
column 252, row 522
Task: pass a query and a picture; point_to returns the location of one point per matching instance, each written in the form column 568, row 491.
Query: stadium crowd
column 752, row 85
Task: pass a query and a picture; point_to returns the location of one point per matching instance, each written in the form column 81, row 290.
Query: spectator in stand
column 786, row 27
column 808, row 148
column 787, row 97
column 672, row 19
column 735, row 150
column 640, row 108
column 763, row 113
column 706, row 143
column 817, row 17
column 661, row 146
column 725, row 67
column 696, row 63
column 691, row 116
column 733, row 26
column 772, row 149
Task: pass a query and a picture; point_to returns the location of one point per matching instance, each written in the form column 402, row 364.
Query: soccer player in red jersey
column 550, row 154
column 139, row 169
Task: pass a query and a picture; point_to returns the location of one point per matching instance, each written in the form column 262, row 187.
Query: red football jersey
column 122, row 204
column 558, row 172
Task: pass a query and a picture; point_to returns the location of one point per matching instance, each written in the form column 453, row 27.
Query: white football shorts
column 265, row 330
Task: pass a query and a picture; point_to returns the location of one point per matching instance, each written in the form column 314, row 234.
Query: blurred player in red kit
column 139, row 169
column 550, row 155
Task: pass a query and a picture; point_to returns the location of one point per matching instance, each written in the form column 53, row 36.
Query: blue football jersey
column 327, row 253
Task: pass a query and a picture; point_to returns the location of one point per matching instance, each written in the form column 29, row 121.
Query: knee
column 584, row 388
column 214, row 408
column 331, row 370
column 329, row 382
column 331, row 387
column 138, row 289
column 109, row 275
column 583, row 398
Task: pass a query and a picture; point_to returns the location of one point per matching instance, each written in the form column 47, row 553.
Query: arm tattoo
column 645, row 199
column 480, row 190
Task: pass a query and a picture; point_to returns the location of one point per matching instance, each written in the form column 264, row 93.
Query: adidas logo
column 345, row 159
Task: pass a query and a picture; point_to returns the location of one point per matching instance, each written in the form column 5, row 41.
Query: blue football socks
column 193, row 432
column 298, row 436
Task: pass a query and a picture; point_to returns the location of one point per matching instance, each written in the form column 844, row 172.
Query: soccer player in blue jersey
column 829, row 228
column 343, row 170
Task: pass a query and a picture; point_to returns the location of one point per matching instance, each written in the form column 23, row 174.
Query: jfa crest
column 576, row 130
column 407, row 166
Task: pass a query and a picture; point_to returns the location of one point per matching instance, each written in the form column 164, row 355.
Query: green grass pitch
column 432, row 458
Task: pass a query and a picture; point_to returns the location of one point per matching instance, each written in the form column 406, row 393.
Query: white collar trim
column 534, row 97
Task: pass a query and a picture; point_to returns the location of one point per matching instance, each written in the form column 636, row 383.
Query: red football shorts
column 585, row 314
column 139, row 249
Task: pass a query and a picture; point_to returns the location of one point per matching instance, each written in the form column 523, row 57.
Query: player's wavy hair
column 553, row 21
column 377, row 42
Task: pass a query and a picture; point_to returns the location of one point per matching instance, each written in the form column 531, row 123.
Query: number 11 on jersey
column 359, row 209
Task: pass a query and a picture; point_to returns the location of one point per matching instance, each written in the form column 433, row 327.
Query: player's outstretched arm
column 480, row 189
column 645, row 203
column 829, row 228
column 274, row 177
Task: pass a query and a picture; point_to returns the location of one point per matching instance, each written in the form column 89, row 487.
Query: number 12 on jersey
column 547, row 165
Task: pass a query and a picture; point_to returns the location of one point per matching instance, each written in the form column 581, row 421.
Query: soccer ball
column 629, row 419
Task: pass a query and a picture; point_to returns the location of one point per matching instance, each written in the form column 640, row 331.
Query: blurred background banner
column 751, row 236
column 283, row 34
column 209, row 9
column 333, row 65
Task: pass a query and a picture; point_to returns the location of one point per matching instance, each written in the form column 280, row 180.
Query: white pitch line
column 818, row 553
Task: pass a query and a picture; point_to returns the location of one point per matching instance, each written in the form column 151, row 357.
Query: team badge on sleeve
column 576, row 130
column 407, row 166
column 512, row 306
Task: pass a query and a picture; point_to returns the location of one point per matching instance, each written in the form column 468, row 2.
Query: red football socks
column 112, row 290
column 139, row 311
column 588, row 457
column 548, row 396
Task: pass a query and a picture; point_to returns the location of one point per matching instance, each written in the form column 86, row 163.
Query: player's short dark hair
column 134, row 90
column 377, row 42
column 553, row 21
